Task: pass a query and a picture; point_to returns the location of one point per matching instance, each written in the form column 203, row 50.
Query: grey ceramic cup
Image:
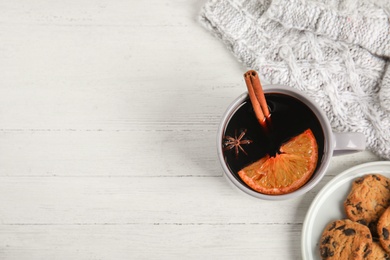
column 334, row 143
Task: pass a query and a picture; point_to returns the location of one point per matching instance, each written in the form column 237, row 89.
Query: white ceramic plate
column 328, row 205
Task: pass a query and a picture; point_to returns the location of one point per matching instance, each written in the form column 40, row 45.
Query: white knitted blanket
column 337, row 51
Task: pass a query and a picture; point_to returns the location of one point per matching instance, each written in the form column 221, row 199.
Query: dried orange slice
column 286, row 171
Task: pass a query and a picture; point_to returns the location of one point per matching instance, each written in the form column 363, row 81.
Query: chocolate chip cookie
column 345, row 239
column 368, row 199
column 378, row 253
column 384, row 230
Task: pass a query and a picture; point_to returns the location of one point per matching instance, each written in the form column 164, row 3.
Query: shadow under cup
column 291, row 114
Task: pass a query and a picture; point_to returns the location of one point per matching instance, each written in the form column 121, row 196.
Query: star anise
column 236, row 142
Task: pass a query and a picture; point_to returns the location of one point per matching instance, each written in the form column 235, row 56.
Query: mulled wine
column 246, row 141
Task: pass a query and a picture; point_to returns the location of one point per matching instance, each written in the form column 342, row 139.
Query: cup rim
column 328, row 142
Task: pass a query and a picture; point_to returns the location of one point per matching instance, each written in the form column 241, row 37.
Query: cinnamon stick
column 259, row 92
column 256, row 95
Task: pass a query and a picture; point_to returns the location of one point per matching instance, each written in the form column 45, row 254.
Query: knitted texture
column 358, row 22
column 384, row 93
column 333, row 50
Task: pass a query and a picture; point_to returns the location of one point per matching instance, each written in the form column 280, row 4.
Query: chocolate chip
column 385, row 233
column 332, row 226
column 342, row 227
column 326, row 252
column 359, row 207
column 376, row 177
column 349, row 232
column 360, row 180
column 326, row 240
column 362, row 221
column 367, row 251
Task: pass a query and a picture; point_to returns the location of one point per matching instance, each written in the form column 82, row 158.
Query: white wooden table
column 108, row 119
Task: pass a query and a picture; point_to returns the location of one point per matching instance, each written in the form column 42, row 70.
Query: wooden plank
column 141, row 200
column 138, row 200
column 131, row 153
column 221, row 241
column 73, row 152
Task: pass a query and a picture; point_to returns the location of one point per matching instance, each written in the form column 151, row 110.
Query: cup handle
column 347, row 143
